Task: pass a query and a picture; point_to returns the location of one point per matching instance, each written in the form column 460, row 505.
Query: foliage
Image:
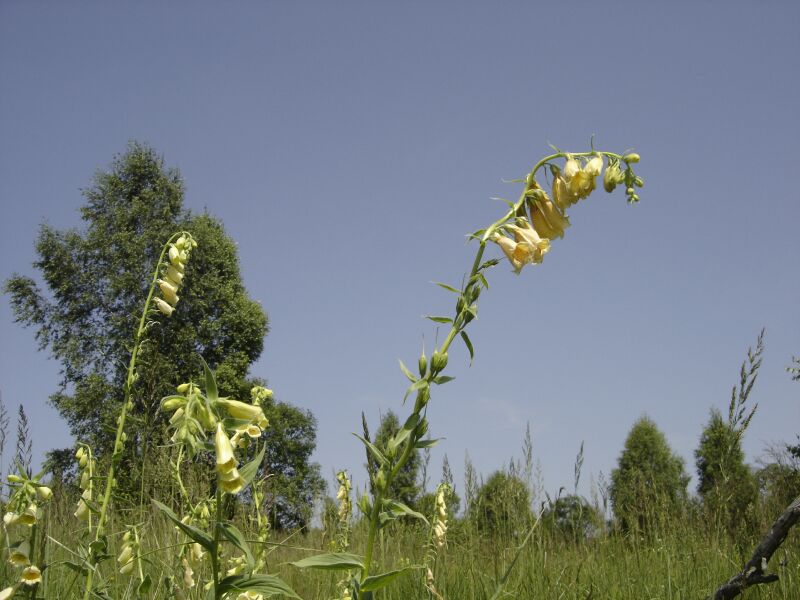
column 574, row 517
column 503, row 504
column 97, row 279
column 725, row 483
column 649, row 477
column 404, row 486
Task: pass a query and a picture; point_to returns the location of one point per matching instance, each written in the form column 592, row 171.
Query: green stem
column 215, row 547
column 130, row 379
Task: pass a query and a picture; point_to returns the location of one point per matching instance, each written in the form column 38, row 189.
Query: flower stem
column 119, row 444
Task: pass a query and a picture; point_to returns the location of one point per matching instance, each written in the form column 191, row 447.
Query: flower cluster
column 195, row 416
column 86, row 466
column 541, row 219
column 173, row 271
column 129, row 552
column 23, row 512
column 440, row 518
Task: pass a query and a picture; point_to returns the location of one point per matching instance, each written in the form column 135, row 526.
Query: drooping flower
column 547, row 219
column 8, row 593
column 19, row 556
column 44, row 492
column 163, row 306
column 242, row 410
column 30, row 516
column 229, row 478
column 440, row 518
column 537, row 246
column 83, row 513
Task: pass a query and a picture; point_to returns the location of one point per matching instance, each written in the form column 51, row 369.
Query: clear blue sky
column 348, row 147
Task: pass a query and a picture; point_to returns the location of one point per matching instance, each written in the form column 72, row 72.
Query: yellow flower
column 169, row 291
column 537, row 245
column 188, row 574
column 229, row 478
column 547, row 219
column 19, row 556
column 31, row 575
column 594, row 166
column 242, row 410
column 509, row 248
column 562, row 195
column 30, row 515
column 7, row 593
column 164, row 307
column 10, row 518
column 83, row 512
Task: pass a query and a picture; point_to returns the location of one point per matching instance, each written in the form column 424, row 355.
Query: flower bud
column 422, row 364
column 571, row 168
column 594, row 166
column 172, row 403
column 380, row 480
column 631, row 158
column 183, row 388
column 45, row 493
column 438, row 361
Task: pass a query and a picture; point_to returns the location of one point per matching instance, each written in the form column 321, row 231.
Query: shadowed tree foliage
column 95, row 283
column 649, row 481
column 574, row 517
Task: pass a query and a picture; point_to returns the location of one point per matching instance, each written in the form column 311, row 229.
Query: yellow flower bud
column 174, row 254
column 183, row 388
column 571, row 168
column 226, row 461
column 594, row 166
column 45, row 493
column 163, row 306
column 83, row 512
column 10, row 518
column 7, row 593
column 173, row 403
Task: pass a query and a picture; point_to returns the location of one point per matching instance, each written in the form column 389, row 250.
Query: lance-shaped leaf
column 336, row 561
column 373, row 449
column 211, row 383
column 422, row 444
column 267, row 585
column 436, row 319
column 248, row 471
column 407, row 373
column 419, row 385
column 193, row 532
column 468, row 343
column 406, row 430
column 376, row 582
column 449, row 288
column 235, row 537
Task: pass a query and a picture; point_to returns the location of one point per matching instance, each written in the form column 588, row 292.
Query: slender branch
column 754, row 571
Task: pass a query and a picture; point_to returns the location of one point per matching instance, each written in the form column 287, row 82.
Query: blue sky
column 348, row 147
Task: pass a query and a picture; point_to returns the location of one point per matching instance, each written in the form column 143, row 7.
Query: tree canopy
column 649, row 479
column 95, row 282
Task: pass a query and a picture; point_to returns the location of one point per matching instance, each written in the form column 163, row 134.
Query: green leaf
column 442, row 379
column 468, row 343
column 406, row 430
column 211, row 383
column 376, row 582
column 417, row 385
column 144, row 585
column 338, row 561
column 193, row 532
column 248, row 472
column 373, row 450
column 449, row 288
column 395, row 509
column 422, row 444
column 407, row 373
column 268, row 585
column 439, row 319
column 235, row 537
column 77, row 567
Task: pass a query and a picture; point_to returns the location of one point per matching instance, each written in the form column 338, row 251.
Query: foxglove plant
column 524, row 234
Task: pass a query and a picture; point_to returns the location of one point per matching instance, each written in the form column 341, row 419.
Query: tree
column 725, row 482
column 502, row 505
column 649, row 480
column 97, row 281
column 574, row 517
column 404, row 487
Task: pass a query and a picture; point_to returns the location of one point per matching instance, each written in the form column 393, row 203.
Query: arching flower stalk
column 524, row 234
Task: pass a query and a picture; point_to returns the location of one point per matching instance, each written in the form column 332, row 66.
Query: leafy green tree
column 404, row 487
column 574, row 517
column 649, row 480
column 96, row 281
column 502, row 505
column 725, row 483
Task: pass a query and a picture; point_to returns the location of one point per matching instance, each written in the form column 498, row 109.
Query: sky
column 348, row 148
